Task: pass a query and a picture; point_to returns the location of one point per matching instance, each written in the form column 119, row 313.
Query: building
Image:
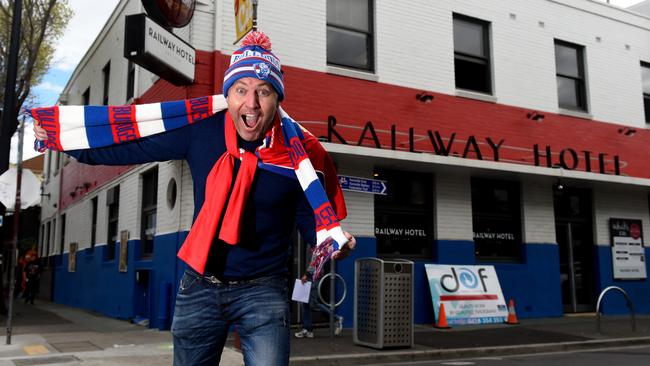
column 508, row 133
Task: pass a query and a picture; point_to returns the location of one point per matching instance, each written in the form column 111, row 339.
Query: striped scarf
column 287, row 146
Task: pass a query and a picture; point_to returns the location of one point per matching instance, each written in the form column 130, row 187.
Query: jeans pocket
column 187, row 281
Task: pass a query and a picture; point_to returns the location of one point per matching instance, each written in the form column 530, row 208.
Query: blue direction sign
column 364, row 185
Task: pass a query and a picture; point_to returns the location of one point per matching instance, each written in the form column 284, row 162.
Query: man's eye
column 263, row 92
column 240, row 91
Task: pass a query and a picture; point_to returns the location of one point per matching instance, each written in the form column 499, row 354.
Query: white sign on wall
column 158, row 50
column 628, row 253
column 471, row 294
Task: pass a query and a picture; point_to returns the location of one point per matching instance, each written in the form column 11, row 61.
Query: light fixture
column 535, row 116
column 626, row 131
column 424, row 97
column 558, row 185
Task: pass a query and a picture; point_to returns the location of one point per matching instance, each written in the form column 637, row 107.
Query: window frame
column 581, row 80
column 486, row 60
column 485, row 183
column 384, row 205
column 148, row 209
column 94, row 204
column 113, row 217
column 106, row 77
column 62, row 238
column 646, row 95
column 370, row 40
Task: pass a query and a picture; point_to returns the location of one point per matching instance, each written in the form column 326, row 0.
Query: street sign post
column 364, row 185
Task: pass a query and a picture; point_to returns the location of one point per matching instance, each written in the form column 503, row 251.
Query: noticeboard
column 628, row 252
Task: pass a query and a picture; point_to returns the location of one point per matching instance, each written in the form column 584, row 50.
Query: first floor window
column 404, row 216
column 149, row 206
column 496, row 220
column 113, row 203
column 645, row 78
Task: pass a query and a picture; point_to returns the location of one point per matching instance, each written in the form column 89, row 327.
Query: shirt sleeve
column 171, row 145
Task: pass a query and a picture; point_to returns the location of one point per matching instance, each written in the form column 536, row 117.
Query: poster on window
column 471, row 294
column 72, row 258
column 628, row 253
column 124, row 245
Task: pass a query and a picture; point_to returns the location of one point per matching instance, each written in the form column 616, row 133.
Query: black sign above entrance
column 158, row 50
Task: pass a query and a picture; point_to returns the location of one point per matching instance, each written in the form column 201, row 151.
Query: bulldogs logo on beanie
column 255, row 59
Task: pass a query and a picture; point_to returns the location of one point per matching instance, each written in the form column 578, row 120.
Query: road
column 628, row 356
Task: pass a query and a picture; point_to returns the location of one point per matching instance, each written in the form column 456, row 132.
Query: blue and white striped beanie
column 255, row 59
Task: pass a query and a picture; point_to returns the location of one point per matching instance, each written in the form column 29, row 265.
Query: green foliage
column 43, row 23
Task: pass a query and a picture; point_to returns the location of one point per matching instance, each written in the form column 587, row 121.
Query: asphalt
column 53, row 334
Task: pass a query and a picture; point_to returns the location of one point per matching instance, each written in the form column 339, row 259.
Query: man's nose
column 252, row 99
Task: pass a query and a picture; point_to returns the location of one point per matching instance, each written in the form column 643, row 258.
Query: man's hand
column 39, row 132
column 346, row 249
column 303, row 279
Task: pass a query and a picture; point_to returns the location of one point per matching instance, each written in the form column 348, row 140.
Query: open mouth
column 250, row 120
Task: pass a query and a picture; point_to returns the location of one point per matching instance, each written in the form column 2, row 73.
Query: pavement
column 54, row 334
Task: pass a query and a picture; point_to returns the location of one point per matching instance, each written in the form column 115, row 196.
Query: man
column 242, row 284
column 33, row 270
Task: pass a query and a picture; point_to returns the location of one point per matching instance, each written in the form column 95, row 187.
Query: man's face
column 252, row 104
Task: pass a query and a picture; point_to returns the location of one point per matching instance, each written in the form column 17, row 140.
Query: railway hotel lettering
column 543, row 155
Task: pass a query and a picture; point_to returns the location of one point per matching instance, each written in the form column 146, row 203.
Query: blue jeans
column 315, row 305
column 204, row 312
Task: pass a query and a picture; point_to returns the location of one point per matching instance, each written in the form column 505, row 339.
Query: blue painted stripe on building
column 99, row 133
column 173, row 114
column 614, row 302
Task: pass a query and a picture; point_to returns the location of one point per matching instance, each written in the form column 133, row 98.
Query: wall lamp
column 558, row 186
column 535, row 116
column 424, row 97
column 626, row 131
column 82, row 187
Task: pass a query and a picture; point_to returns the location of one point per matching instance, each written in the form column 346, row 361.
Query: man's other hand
column 346, row 249
column 39, row 132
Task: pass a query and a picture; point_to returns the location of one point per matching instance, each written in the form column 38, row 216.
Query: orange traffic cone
column 442, row 318
column 512, row 316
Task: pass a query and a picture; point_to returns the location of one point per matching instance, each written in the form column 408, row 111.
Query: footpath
column 53, row 334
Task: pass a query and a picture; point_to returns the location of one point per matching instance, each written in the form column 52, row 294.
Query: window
column 149, row 204
column 46, row 240
column 350, row 33
column 570, row 74
column 472, row 54
column 62, row 241
column 93, row 223
column 496, row 219
column 645, row 77
column 404, row 217
column 106, row 73
column 56, row 156
column 130, row 81
column 113, row 203
column 51, row 242
column 85, row 97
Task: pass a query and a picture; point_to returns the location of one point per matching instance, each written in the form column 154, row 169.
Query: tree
column 43, row 23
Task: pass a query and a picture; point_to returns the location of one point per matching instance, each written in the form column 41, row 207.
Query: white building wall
column 414, row 47
column 453, row 206
column 622, row 203
column 538, row 217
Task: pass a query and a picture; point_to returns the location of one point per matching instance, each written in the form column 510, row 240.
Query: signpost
column 364, row 185
column 628, row 253
column 471, row 294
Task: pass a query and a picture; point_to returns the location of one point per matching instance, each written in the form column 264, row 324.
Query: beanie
column 254, row 59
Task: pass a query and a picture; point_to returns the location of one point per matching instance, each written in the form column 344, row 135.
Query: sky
column 88, row 19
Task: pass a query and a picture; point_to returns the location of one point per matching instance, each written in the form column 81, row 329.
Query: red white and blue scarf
column 287, row 149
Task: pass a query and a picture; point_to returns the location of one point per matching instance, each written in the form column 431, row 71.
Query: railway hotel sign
column 149, row 42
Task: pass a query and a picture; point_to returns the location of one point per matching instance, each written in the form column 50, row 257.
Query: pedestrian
column 315, row 305
column 248, row 199
column 33, row 270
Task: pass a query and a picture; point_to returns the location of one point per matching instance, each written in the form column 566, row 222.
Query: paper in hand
column 301, row 291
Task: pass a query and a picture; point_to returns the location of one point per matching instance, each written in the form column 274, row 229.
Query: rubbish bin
column 383, row 303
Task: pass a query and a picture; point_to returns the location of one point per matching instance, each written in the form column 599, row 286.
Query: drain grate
column 82, row 346
column 44, row 360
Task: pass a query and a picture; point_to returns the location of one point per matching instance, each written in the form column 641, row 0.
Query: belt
column 216, row 281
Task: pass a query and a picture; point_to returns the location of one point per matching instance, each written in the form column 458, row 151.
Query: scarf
column 287, row 149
